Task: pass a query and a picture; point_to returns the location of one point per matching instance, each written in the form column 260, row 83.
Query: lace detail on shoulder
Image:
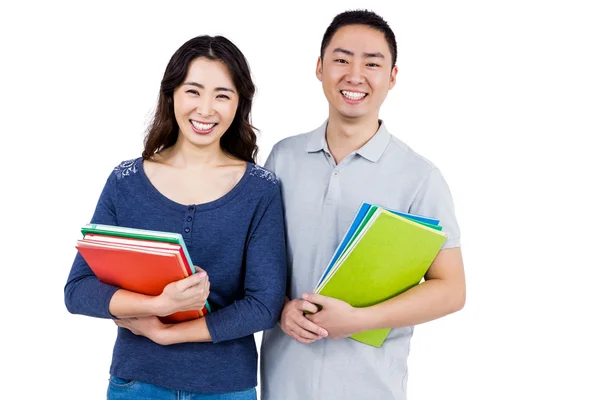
column 126, row 168
column 262, row 173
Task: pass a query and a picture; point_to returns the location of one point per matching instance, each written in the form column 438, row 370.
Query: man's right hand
column 296, row 325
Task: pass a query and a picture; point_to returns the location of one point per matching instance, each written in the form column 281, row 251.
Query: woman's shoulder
column 263, row 175
column 127, row 168
column 260, row 182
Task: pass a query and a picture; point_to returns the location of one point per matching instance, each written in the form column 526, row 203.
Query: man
column 325, row 175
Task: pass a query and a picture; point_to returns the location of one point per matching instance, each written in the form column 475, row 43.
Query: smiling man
column 325, row 175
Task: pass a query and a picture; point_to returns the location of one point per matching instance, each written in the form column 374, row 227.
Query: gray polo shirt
column 320, row 201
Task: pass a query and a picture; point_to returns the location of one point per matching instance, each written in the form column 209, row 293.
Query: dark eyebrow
column 371, row 55
column 218, row 89
column 340, row 50
column 366, row 55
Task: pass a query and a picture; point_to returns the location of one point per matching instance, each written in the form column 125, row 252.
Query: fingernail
column 304, row 296
column 323, row 332
column 201, row 274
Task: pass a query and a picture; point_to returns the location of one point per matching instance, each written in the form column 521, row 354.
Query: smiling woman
column 205, row 103
column 197, row 176
column 207, row 83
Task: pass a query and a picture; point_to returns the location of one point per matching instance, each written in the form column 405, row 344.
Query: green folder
column 387, row 255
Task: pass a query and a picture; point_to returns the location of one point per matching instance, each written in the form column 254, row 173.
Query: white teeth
column 202, row 127
column 353, row 95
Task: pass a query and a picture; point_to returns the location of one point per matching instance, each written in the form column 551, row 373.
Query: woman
column 196, row 176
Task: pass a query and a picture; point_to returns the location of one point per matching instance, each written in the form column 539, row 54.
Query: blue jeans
column 126, row 389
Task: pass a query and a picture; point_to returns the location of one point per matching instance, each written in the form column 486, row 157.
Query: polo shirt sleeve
column 271, row 163
column 435, row 200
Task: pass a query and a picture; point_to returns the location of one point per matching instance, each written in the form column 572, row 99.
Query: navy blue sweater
column 237, row 239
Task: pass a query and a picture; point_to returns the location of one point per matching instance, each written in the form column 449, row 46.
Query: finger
column 192, row 280
column 303, row 340
column 300, row 322
column 311, row 327
column 201, row 289
column 206, row 284
column 121, row 325
column 307, row 306
column 200, row 275
column 198, row 269
column 206, row 288
column 196, row 296
column 316, row 298
column 300, row 339
column 304, row 334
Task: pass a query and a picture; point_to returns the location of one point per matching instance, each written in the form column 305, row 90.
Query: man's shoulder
column 402, row 151
column 293, row 143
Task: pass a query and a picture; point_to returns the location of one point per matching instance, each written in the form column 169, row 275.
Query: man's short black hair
column 361, row 17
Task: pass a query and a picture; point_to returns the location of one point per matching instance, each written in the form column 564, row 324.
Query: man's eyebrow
column 340, row 50
column 371, row 55
column 366, row 55
column 218, row 89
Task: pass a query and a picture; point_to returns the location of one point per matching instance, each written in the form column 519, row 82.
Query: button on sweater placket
column 188, row 222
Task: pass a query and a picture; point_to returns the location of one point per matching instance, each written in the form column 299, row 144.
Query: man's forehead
column 359, row 39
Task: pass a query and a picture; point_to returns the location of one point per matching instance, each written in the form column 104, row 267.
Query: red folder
column 141, row 269
column 143, row 244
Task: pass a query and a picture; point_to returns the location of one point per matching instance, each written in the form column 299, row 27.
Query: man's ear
column 393, row 76
column 319, row 71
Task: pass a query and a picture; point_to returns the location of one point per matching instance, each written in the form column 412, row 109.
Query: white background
column 503, row 96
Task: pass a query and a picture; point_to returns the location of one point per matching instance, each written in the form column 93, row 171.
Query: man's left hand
column 337, row 317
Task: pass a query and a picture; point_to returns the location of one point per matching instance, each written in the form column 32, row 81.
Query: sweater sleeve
column 264, row 281
column 84, row 293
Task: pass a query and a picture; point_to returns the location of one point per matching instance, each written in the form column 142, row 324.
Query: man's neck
column 345, row 136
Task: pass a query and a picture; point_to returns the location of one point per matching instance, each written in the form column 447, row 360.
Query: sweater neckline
column 201, row 206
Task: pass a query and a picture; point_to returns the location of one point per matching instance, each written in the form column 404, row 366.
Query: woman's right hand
column 186, row 294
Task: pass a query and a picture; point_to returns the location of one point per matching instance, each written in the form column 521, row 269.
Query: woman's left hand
column 150, row 327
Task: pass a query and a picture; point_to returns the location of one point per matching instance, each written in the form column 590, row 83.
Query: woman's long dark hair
column 240, row 139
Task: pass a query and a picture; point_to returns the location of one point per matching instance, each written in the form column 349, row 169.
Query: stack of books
column 138, row 260
column 383, row 254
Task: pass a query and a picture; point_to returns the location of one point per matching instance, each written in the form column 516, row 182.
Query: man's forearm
column 425, row 302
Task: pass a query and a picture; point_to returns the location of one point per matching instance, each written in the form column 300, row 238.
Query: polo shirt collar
column 316, row 140
column 372, row 150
